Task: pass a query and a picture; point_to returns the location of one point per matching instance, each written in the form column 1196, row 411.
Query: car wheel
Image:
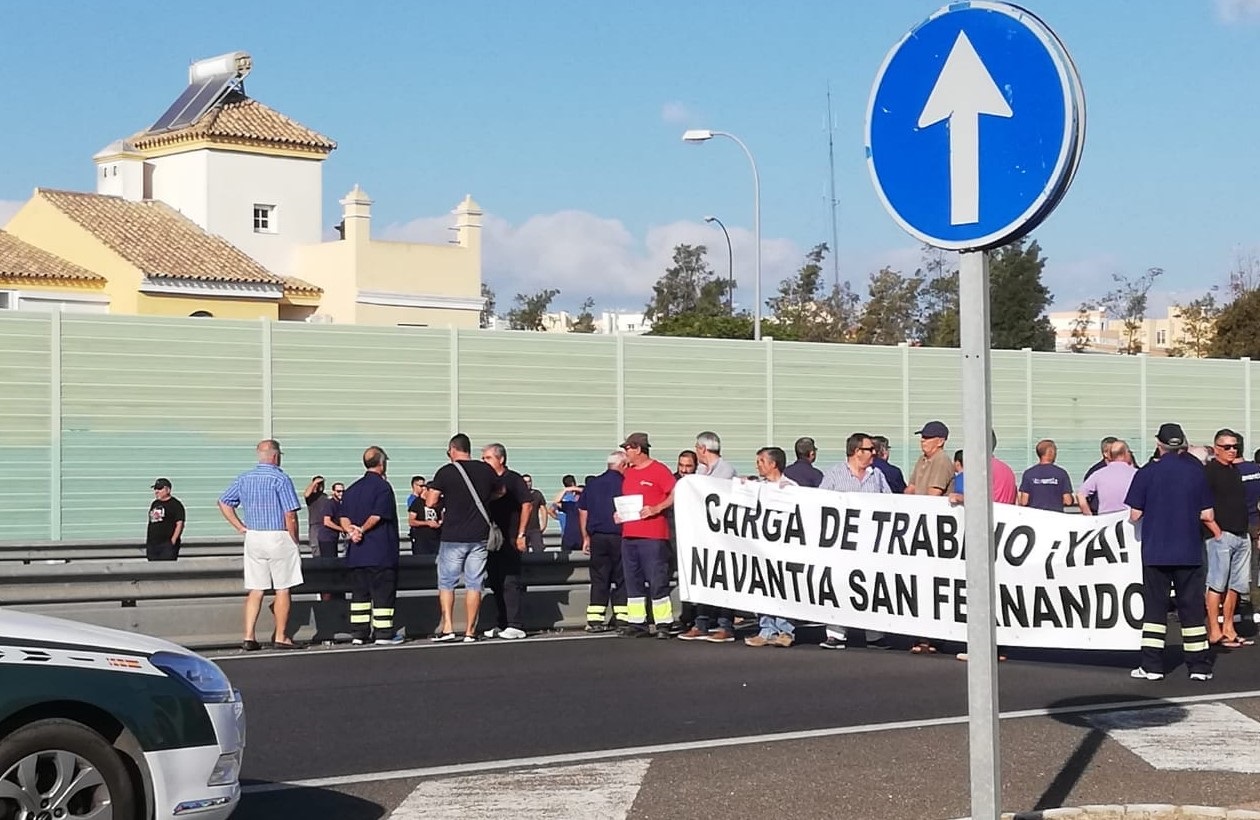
column 62, row 770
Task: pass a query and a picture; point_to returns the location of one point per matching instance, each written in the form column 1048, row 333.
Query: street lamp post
column 704, row 135
column 730, row 266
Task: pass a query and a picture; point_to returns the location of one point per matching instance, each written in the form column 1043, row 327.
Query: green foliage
column 938, row 299
column 1018, row 299
column 805, row 310
column 530, row 309
column 1198, row 326
column 487, row 305
column 891, row 314
column 1127, row 302
column 689, row 286
column 1080, row 328
column 585, row 321
column 1238, row 329
column 708, row 327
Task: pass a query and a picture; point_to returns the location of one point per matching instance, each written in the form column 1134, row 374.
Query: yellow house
column 155, row 261
column 33, row 279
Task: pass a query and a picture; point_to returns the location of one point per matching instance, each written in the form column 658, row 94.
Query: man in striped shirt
column 857, row 474
column 271, row 539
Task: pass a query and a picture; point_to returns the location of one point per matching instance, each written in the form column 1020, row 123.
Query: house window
column 8, row 300
column 264, row 219
column 1161, row 338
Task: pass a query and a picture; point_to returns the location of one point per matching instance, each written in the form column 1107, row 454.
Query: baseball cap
column 934, row 429
column 639, row 440
column 162, row 484
column 1171, row 435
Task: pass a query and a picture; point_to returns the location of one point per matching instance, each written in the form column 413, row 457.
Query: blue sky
column 563, row 119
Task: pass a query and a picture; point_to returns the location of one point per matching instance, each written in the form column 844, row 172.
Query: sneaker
column 394, row 641
column 879, row 643
column 783, row 640
column 833, row 643
column 720, row 635
column 663, row 634
column 675, row 628
column 1142, row 674
column 445, row 637
column 757, row 640
column 360, row 641
column 633, row 631
column 694, row 634
column 491, row 633
column 512, row 634
column 468, row 639
column 597, row 628
column 1200, row 676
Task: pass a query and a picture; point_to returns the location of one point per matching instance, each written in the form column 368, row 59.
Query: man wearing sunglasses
column 1228, row 550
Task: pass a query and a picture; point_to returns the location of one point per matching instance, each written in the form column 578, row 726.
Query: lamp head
column 697, row 135
column 710, row 219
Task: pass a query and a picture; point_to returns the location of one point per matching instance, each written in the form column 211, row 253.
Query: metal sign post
column 982, row 681
column 974, row 132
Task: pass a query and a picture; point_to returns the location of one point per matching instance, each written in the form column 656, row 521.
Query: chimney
column 356, row 216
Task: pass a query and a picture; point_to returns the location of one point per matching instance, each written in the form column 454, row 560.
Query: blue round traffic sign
column 975, row 126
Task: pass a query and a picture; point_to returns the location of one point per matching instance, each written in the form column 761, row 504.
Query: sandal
column 923, row 648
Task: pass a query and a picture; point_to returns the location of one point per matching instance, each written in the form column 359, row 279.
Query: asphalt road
column 334, row 713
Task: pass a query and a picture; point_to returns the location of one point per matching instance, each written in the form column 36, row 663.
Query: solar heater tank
column 232, row 64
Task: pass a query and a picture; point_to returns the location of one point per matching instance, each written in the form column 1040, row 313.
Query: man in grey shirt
column 857, row 474
column 709, row 454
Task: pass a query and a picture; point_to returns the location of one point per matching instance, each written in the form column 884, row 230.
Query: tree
column 805, row 311
column 891, row 314
column 1245, row 277
column 585, row 321
column 487, row 306
column 938, row 299
column 688, row 286
column 531, row 309
column 1198, row 326
column 1238, row 329
column 695, row 325
column 1018, row 299
column 1081, row 326
column 1128, row 304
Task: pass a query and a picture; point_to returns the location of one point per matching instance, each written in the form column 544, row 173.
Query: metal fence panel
column 26, row 428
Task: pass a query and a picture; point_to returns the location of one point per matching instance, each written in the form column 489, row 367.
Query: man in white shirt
column 709, row 454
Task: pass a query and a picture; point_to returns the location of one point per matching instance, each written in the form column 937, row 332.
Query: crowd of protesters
column 1199, row 509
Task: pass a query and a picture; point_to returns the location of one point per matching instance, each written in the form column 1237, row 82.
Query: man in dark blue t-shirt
column 1045, row 485
column 601, row 540
column 369, row 516
column 1168, row 499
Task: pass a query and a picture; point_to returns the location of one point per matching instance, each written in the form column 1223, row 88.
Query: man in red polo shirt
column 645, row 539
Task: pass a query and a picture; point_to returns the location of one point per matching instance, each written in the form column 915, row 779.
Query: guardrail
column 197, row 601
column 125, row 549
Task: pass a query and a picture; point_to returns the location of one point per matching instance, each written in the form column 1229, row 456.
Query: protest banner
column 897, row 564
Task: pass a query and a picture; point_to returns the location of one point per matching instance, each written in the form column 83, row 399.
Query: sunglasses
column 1228, row 446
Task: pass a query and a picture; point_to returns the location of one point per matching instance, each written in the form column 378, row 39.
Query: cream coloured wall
column 148, row 305
column 331, row 266
column 405, row 267
column 182, row 181
column 429, row 317
column 236, row 181
column 42, row 225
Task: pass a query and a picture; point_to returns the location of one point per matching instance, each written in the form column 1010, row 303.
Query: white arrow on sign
column 963, row 91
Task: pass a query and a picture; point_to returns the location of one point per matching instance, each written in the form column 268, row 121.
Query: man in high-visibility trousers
column 645, row 539
column 601, row 540
column 369, row 516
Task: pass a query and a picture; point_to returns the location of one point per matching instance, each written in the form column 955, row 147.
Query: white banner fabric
column 897, row 564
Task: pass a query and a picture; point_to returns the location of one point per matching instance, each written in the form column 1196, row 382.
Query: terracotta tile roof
column 19, row 260
column 300, row 287
column 159, row 240
column 239, row 118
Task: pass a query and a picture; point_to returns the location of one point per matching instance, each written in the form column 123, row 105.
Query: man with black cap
column 934, row 471
column 645, row 538
column 166, row 524
column 1168, row 499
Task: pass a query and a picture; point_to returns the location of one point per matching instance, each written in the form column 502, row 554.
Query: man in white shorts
column 270, row 528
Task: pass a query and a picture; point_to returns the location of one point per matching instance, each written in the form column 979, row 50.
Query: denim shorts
column 1229, row 563
column 466, row 558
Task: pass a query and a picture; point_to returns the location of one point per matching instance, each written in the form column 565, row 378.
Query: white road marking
column 603, row 790
column 715, row 743
column 1205, row 737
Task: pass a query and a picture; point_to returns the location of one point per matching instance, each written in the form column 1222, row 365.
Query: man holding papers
column 647, row 491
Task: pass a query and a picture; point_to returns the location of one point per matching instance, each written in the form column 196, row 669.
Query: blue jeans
column 1229, row 563
column 466, row 558
column 706, row 615
column 772, row 625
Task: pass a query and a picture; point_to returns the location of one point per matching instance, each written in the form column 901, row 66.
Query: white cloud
column 1237, row 11
column 8, row 208
column 676, row 113
column 583, row 254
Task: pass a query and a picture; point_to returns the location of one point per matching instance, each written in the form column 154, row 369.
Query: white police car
column 97, row 723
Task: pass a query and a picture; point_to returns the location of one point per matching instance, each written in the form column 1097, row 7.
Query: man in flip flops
column 1227, row 541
